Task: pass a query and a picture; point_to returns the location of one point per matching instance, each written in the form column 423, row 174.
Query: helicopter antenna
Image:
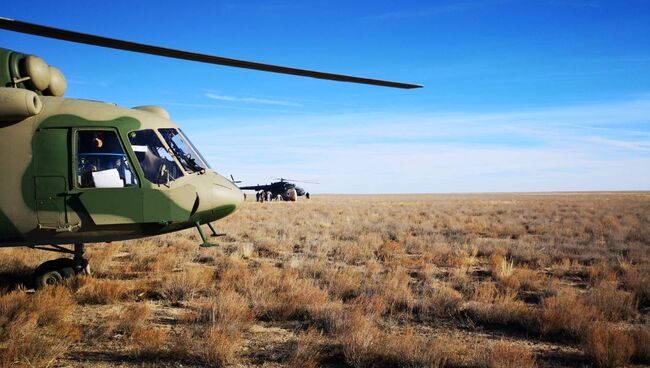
column 89, row 39
column 232, row 179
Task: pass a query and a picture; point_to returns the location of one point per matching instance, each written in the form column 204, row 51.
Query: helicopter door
column 50, row 201
column 51, row 167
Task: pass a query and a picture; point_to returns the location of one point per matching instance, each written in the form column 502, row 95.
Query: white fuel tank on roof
column 157, row 110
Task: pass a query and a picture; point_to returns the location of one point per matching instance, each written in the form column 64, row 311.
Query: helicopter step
column 53, row 272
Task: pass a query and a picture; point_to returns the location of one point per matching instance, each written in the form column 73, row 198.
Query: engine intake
column 18, row 104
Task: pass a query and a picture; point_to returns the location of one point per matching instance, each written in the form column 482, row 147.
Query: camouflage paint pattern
column 40, row 202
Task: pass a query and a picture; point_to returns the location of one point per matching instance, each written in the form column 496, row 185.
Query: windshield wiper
column 185, row 159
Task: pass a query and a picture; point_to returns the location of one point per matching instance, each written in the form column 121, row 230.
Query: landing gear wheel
column 49, row 278
column 55, row 271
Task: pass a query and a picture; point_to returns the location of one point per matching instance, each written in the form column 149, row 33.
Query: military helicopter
column 79, row 171
column 283, row 188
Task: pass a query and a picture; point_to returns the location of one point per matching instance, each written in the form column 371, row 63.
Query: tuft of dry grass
column 396, row 290
column 90, row 290
column 343, row 283
column 287, row 296
column 501, row 267
column 509, row 355
column 218, row 346
column 187, row 284
column 365, row 345
column 504, row 310
column 227, row 308
column 220, row 321
column 641, row 337
column 439, row 301
column 608, row 347
column 133, row 317
column 389, row 251
column 638, row 282
column 361, row 340
column 147, row 341
column 307, row 350
column 567, row 315
column 614, row 304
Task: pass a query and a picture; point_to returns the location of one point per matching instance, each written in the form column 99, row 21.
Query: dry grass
column 366, row 345
column 614, row 304
column 567, row 315
column 607, row 346
column 227, row 308
column 89, row 290
column 500, row 267
column 187, row 284
column 219, row 346
column 508, row 355
column 503, row 309
column 308, row 350
column 491, row 280
column 147, row 341
column 641, row 337
column 133, row 318
column 35, row 330
column 439, row 301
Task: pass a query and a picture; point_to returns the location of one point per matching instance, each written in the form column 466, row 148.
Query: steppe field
column 476, row 280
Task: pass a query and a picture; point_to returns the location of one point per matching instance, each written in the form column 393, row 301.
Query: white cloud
column 255, row 100
column 587, row 147
column 435, row 10
column 638, row 145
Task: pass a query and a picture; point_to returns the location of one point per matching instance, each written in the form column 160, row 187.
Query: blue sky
column 519, row 95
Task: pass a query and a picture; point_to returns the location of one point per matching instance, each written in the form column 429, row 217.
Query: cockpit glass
column 187, row 139
column 157, row 164
column 182, row 150
column 101, row 161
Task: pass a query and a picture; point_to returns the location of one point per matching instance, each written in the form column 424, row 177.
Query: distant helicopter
column 283, row 188
column 79, row 171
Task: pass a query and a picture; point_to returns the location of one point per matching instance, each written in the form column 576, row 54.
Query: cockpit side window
column 157, row 164
column 181, row 149
column 101, row 161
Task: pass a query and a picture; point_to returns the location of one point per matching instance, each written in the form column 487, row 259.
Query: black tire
column 66, row 272
column 53, row 272
column 52, row 277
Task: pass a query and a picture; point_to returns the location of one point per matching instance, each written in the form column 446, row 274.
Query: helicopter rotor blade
column 89, row 39
column 298, row 181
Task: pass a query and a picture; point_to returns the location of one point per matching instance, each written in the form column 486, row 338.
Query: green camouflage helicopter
column 78, row 171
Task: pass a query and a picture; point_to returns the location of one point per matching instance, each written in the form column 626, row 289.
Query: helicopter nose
column 225, row 193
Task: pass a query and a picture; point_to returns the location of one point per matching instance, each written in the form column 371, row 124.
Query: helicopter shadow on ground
column 117, row 358
column 10, row 281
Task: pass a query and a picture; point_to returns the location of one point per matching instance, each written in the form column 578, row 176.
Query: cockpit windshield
column 183, row 151
column 157, row 164
column 187, row 139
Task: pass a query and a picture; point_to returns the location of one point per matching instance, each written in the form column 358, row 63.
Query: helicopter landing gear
column 214, row 234
column 55, row 271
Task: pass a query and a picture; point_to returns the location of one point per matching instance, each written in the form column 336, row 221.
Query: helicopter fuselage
column 88, row 171
column 277, row 188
